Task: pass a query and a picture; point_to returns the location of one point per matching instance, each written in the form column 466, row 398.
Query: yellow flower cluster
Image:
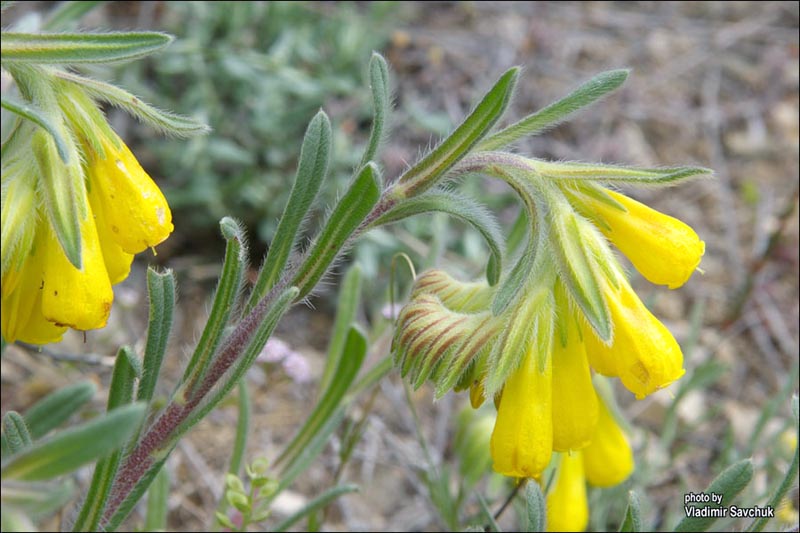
column 537, row 356
column 120, row 212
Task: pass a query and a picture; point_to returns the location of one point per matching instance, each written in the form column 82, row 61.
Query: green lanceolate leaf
column 72, row 448
column 315, row 505
column 348, row 215
column 64, row 194
column 535, row 507
column 353, row 353
column 550, row 116
column 120, row 394
column 727, row 485
column 616, row 173
column 433, row 166
column 77, row 48
column 459, row 206
column 164, row 121
column 632, row 523
column 56, row 408
column 346, row 308
column 311, row 171
column 379, row 83
column 157, row 496
column 31, row 112
column 15, row 431
column 161, row 293
column 225, row 300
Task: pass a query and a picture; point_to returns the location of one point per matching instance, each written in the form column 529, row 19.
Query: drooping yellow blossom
column 608, row 460
column 522, row 440
column 567, row 504
column 574, row 397
column 42, row 292
column 643, row 353
column 663, row 249
column 134, row 208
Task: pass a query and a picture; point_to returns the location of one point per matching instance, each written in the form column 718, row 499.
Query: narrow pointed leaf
column 56, row 408
column 37, row 116
column 225, row 299
column 315, row 505
column 353, row 353
column 15, row 431
column 161, row 293
column 729, row 484
column 157, row 496
column 379, row 83
column 311, row 171
column 426, row 172
column 557, row 112
column 77, row 48
column 348, row 215
column 162, row 120
column 120, row 394
column 535, row 507
column 632, row 523
column 346, row 308
column 72, row 448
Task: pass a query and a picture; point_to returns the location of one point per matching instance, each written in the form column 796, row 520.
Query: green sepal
column 63, row 193
column 379, row 83
column 632, row 523
column 550, row 116
column 70, row 449
column 16, row 433
column 32, row 112
column 459, row 206
column 617, row 174
column 427, row 172
column 163, row 121
column 348, row 215
column 78, row 48
column 311, row 171
column 729, row 483
column 571, row 241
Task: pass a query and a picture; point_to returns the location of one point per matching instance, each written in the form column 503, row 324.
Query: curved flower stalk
column 76, row 204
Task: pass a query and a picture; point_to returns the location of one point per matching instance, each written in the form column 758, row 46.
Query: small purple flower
column 275, row 351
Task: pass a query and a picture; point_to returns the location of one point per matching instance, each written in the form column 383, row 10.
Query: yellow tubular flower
column 80, row 299
column 567, row 504
column 133, row 205
column 118, row 262
column 644, row 354
column 522, row 440
column 574, row 398
column 21, row 313
column 608, row 460
column 662, row 248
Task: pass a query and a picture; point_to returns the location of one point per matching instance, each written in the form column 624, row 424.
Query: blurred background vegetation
column 712, row 84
